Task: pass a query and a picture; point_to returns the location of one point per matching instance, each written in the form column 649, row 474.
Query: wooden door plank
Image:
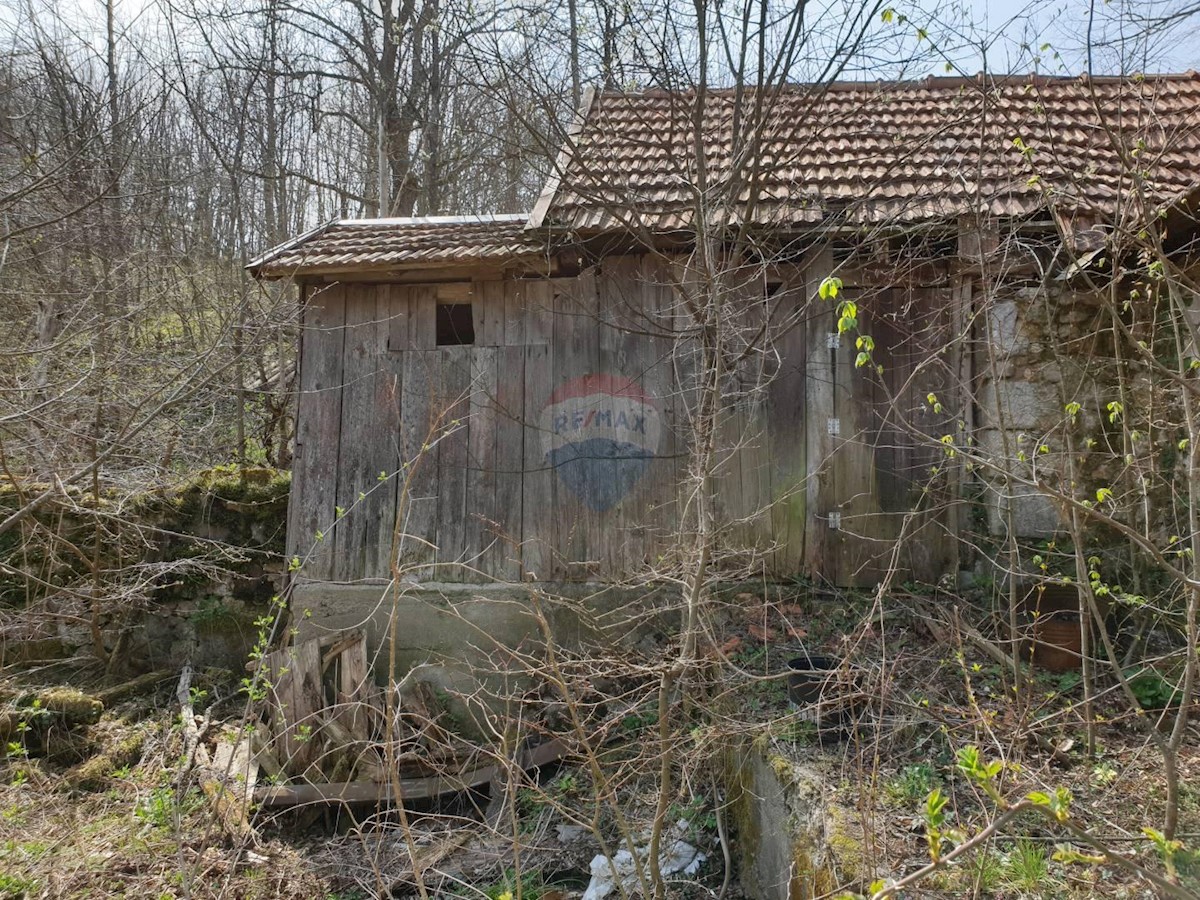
column 454, row 401
column 576, row 355
column 481, row 465
column 658, row 510
column 490, row 298
column 392, row 303
column 504, row 557
column 357, row 514
column 423, row 323
column 318, row 432
column 787, row 415
column 819, row 550
column 538, row 488
column 514, row 313
column 419, row 429
column 401, row 323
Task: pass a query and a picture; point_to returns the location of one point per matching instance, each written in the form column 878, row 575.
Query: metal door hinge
column 833, row 340
column 835, row 521
column 834, row 427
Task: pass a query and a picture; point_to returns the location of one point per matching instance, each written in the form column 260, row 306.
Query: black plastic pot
column 807, row 677
column 824, row 693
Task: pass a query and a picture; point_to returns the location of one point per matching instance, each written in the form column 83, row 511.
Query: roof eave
column 255, row 266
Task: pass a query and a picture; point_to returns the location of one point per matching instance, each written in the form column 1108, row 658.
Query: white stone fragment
column 679, row 858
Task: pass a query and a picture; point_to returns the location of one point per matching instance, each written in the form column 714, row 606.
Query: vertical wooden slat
column 576, row 353
column 392, row 306
column 514, row 313
column 610, row 531
column 481, row 511
column 819, row 544
column 401, row 323
column 454, row 400
column 865, row 540
column 504, row 558
column 538, row 519
column 318, row 432
column 658, row 511
column 423, row 328
column 787, row 416
column 490, row 298
column 418, row 461
column 539, row 310
column 356, row 472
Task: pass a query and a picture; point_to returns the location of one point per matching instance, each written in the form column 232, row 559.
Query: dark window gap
column 455, row 324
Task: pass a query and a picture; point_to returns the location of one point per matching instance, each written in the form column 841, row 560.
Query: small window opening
column 455, row 324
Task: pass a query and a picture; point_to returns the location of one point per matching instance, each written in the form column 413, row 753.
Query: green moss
column 809, row 879
column 94, row 773
column 73, row 705
column 844, row 836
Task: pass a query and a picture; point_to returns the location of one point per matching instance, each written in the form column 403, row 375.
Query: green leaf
column 829, row 287
column 888, row 16
column 1103, row 494
column 935, row 807
column 1064, row 853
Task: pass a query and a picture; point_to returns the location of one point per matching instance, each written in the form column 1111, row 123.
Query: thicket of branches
column 145, row 161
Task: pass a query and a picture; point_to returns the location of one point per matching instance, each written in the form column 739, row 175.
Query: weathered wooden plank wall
column 556, row 446
column 318, row 432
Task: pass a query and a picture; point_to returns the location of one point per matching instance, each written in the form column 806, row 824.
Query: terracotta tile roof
column 874, row 152
column 367, row 244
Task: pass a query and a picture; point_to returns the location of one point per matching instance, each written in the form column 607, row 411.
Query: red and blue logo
column 600, row 433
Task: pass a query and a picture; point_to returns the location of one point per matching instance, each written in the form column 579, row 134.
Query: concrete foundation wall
column 792, row 838
column 481, row 641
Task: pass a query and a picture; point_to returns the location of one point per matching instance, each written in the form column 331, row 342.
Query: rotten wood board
column 454, row 409
column 318, row 432
column 503, row 560
column 364, row 346
column 409, row 788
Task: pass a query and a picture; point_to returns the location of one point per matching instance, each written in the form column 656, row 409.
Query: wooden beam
column 410, row 788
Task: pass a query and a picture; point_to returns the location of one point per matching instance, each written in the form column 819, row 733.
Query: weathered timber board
column 538, row 520
column 417, row 488
column 821, row 558
column 657, row 510
column 577, row 540
column 503, row 559
column 359, row 463
column 392, row 305
column 318, row 433
column 481, row 509
column 454, row 406
column 787, row 420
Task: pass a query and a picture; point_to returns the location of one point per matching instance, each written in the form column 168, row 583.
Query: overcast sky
column 1064, row 25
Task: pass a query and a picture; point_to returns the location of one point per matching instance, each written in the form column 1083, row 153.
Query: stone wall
column 172, row 575
column 1036, row 357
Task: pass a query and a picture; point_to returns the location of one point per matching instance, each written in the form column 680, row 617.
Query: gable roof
column 870, row 153
column 362, row 245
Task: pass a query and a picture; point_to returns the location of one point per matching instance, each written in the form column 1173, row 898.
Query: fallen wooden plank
column 410, row 788
column 138, row 685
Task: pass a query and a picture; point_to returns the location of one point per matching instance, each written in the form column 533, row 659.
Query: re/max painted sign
column 600, row 433
column 632, row 420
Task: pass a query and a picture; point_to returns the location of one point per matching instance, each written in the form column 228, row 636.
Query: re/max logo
column 577, row 420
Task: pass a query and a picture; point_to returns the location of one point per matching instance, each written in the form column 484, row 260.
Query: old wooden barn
column 512, row 397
